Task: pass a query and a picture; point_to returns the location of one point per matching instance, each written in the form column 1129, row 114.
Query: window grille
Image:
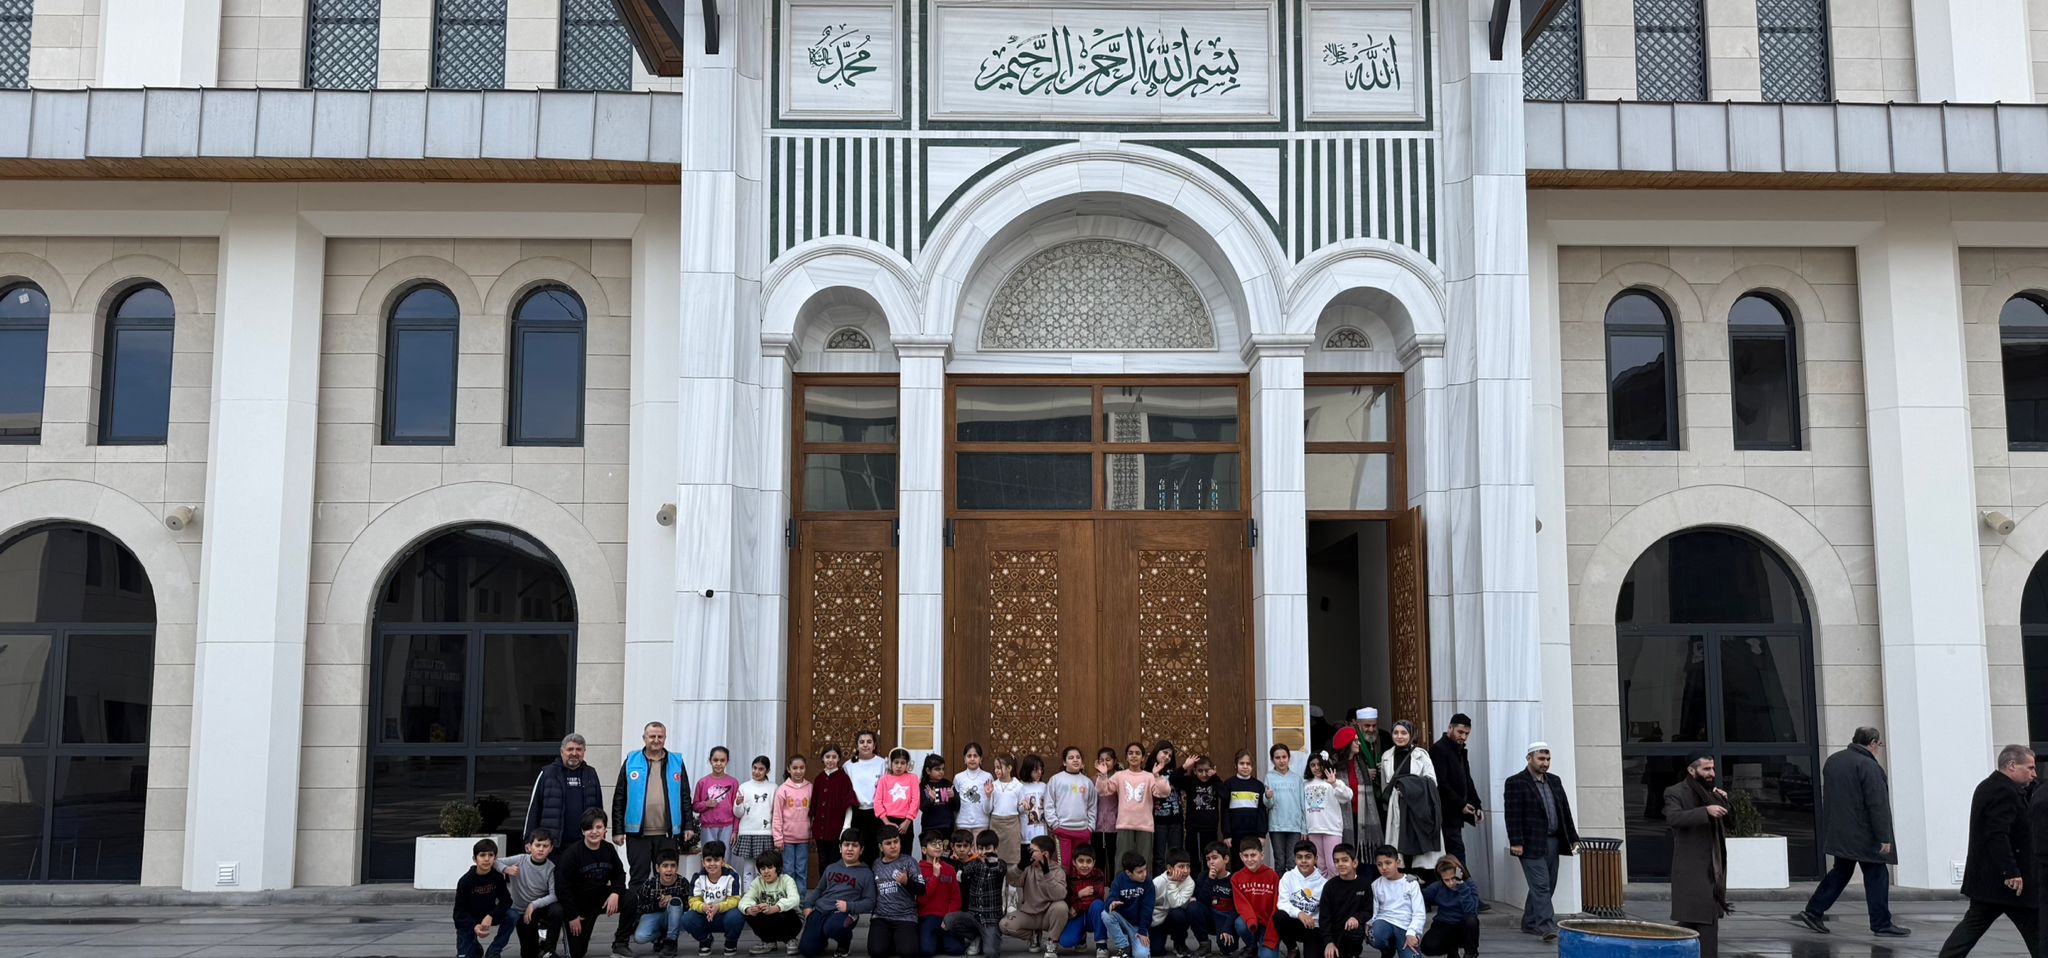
column 1792, row 41
column 16, row 17
column 1671, row 51
column 341, row 44
column 1554, row 67
column 596, row 52
column 469, row 44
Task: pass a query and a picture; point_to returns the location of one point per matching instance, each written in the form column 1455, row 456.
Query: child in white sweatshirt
column 1301, row 894
column 1398, row 913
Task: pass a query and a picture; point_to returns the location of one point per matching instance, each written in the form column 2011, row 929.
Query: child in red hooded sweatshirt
column 1256, row 890
column 941, row 898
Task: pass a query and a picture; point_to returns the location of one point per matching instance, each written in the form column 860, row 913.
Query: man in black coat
column 1856, row 828
column 561, row 793
column 1697, row 809
column 1997, row 876
column 1454, row 783
column 1538, row 817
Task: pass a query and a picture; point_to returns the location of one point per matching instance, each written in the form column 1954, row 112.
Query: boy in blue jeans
column 1128, row 919
column 481, row 899
column 661, row 898
column 1397, row 909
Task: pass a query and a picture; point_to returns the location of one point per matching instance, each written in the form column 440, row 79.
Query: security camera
column 666, row 515
column 1999, row 522
column 708, row 593
column 180, row 518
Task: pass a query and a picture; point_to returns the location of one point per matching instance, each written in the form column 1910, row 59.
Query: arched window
column 1792, row 45
column 1642, row 373
column 2034, row 652
column 2023, row 352
column 472, row 673
column 17, row 17
column 1554, row 67
column 24, row 355
column 341, row 44
column 1671, row 50
column 135, row 369
column 419, row 368
column 597, row 54
column 1763, row 373
column 1715, row 656
column 469, row 44
column 547, row 369
column 77, row 654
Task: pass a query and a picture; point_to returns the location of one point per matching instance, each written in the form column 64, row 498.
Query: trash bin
column 1600, row 877
column 1607, row 938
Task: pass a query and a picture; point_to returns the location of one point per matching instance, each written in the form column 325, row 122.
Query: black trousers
column 1710, row 936
column 777, row 928
column 1454, row 839
column 1293, row 932
column 1979, row 919
column 548, row 918
column 892, row 938
column 865, row 822
column 579, row 941
column 1444, row 938
column 640, row 853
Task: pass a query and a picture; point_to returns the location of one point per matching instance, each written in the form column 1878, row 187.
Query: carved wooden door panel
column 1020, row 663
column 1176, row 644
column 843, row 655
column 1408, row 616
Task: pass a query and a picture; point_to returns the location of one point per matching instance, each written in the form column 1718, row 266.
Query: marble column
column 1923, row 515
column 650, row 657
column 1972, row 51
column 242, row 802
column 920, row 540
column 1280, row 514
column 145, row 43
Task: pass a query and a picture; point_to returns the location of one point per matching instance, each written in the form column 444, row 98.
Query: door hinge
column 949, row 533
column 1251, row 533
column 895, row 533
column 789, row 534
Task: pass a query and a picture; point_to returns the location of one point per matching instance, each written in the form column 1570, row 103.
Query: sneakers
column 730, row 951
column 1204, row 948
column 666, row 949
column 703, row 949
column 973, row 948
column 1549, row 935
column 1052, row 948
column 789, row 948
column 1893, row 932
column 622, row 949
column 1101, row 950
column 1813, row 922
column 1034, row 943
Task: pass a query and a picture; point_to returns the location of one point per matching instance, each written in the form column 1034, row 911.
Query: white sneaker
column 973, row 948
column 789, row 949
column 761, row 948
column 1052, row 948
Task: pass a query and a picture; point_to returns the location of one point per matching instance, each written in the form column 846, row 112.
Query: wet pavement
column 425, row 931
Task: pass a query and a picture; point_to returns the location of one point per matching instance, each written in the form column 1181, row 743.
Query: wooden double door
column 1094, row 631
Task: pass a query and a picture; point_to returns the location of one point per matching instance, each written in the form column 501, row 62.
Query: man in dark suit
column 1856, row 828
column 1540, row 828
column 1454, row 784
column 1997, row 874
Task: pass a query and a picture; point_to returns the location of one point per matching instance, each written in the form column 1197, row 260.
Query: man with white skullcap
column 1376, row 739
column 1539, row 822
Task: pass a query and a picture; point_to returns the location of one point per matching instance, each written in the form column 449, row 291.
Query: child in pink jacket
column 791, row 824
column 713, row 801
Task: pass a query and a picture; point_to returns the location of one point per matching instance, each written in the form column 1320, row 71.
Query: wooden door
column 1020, row 663
column 1408, row 616
column 843, row 663
column 1176, row 650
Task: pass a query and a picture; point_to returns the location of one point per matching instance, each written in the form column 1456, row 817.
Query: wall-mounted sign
column 1136, row 61
column 1362, row 60
column 842, row 59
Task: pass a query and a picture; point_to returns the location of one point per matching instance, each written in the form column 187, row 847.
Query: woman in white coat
column 1408, row 757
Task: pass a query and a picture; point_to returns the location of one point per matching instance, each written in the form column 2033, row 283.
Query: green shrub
column 1744, row 821
column 461, row 820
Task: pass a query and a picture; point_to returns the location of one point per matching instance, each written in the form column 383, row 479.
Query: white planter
column 1758, row 862
column 439, row 861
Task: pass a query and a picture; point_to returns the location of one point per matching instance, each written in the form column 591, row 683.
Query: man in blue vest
column 561, row 793
column 651, row 808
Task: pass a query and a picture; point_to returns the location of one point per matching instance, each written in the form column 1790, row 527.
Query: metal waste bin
column 1606, row 938
column 1601, row 878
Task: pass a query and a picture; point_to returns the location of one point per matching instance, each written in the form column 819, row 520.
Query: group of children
column 1005, row 853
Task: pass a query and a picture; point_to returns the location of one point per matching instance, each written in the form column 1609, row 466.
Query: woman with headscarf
column 1357, row 764
column 1414, row 808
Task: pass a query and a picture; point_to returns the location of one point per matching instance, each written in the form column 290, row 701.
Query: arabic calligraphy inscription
column 841, row 59
column 1363, row 60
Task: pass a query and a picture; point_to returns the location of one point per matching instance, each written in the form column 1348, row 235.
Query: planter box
column 1758, row 862
column 439, row 861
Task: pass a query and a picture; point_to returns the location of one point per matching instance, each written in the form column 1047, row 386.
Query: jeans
column 1539, row 867
column 1246, row 938
column 662, row 925
column 934, row 938
column 1977, row 920
column 466, row 942
column 1125, row 936
column 1280, row 844
column 1391, row 940
column 1213, row 924
column 823, row 925
column 1082, row 925
column 1876, row 890
column 796, row 863
column 701, row 928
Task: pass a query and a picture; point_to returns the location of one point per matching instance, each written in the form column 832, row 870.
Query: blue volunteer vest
column 636, row 791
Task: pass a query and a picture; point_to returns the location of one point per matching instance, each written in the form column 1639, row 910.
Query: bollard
column 1607, row 938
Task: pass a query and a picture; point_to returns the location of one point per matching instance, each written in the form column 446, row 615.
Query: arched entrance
column 1715, row 656
column 472, row 679
column 77, row 656
column 2034, row 652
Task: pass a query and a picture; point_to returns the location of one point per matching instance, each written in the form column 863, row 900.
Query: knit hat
column 1345, row 736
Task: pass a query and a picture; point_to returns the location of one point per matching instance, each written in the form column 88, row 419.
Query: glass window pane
column 1783, row 789
column 1350, row 482
column 508, row 779
column 553, row 304
column 96, row 831
column 422, row 385
column 427, row 304
column 849, row 482
column 1757, row 310
column 1014, row 481
column 1709, row 577
column 23, row 790
column 2034, row 651
column 1348, row 413
column 1024, row 413
column 147, row 302
column 68, row 574
column 406, row 795
column 482, row 574
column 1643, row 781
column 526, row 690
column 1637, row 308
column 107, row 688
column 422, row 684
column 23, row 305
column 2026, row 391
column 1169, row 414
column 1763, row 689
column 1171, row 482
column 1760, row 374
column 849, row 414
column 549, row 391
column 1638, row 370
column 24, row 670
column 139, row 385
column 2023, row 313
column 24, row 357
column 1663, row 688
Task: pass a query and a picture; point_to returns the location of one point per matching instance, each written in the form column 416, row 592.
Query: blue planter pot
column 1603, row 938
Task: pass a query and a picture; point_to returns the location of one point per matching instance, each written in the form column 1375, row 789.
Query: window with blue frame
column 548, row 329
column 24, row 356
column 420, row 355
column 135, row 369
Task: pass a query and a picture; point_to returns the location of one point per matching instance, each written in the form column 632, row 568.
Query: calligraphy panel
column 1363, row 61
column 1136, row 61
column 841, row 60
